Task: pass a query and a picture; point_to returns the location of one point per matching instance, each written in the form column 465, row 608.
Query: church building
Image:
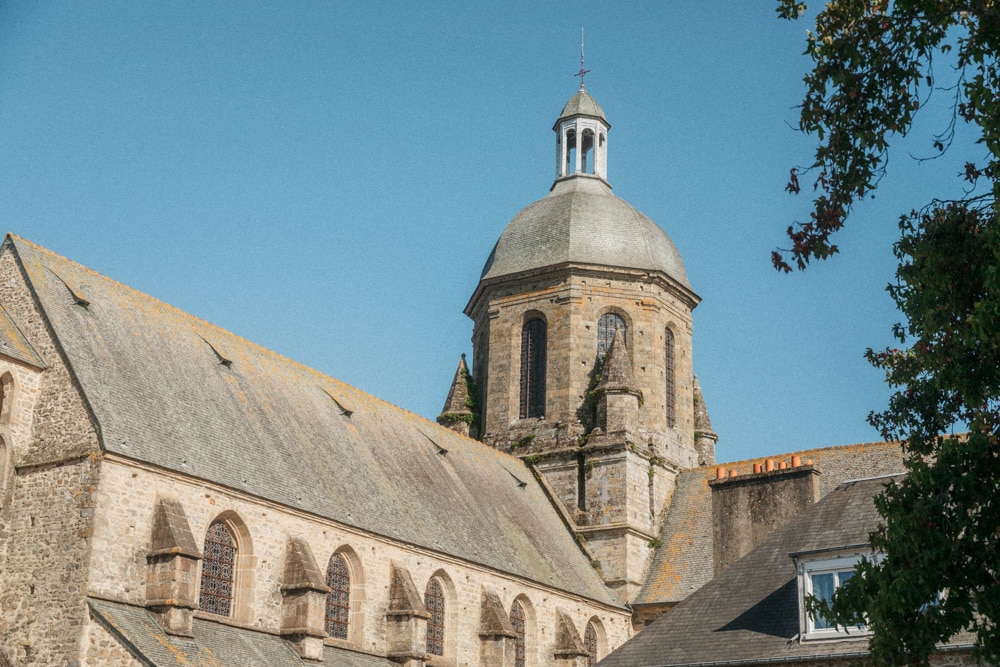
column 172, row 494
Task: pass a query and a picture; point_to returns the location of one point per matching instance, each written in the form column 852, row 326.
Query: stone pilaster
column 570, row 650
column 172, row 569
column 406, row 620
column 303, row 601
column 496, row 634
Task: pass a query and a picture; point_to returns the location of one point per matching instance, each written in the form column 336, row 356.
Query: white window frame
column 825, row 563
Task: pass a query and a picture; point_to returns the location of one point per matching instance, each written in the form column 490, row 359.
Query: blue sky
column 328, row 178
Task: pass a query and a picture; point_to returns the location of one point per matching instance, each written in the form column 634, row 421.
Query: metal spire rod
column 583, row 70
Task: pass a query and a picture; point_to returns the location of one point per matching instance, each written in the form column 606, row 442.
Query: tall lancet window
column 434, row 601
column 669, row 376
column 606, row 331
column 218, row 570
column 338, row 600
column 590, row 641
column 533, row 368
column 517, row 621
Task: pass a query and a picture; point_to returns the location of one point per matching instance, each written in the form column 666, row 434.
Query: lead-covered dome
column 581, row 221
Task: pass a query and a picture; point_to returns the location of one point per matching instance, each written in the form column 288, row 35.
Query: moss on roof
column 175, row 391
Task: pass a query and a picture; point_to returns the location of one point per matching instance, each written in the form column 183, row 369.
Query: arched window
column 668, row 371
column 218, row 570
column 434, row 601
column 533, row 368
column 570, row 153
column 587, row 153
column 338, row 600
column 517, row 620
column 590, row 641
column 606, row 331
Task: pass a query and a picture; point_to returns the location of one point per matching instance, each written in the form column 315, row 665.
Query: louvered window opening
column 669, row 374
column 218, row 570
column 606, row 331
column 517, row 620
column 338, row 600
column 434, row 601
column 533, row 368
column 590, row 641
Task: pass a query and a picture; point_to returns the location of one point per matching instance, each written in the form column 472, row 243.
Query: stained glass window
column 590, row 641
column 606, row 331
column 338, row 600
column 434, row 601
column 218, row 570
column 669, row 374
column 533, row 368
column 517, row 620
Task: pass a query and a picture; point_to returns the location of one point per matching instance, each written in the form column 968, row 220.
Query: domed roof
column 581, row 221
column 582, row 104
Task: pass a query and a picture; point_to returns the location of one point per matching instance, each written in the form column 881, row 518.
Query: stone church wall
column 49, row 467
column 128, row 495
column 572, row 304
column 100, row 649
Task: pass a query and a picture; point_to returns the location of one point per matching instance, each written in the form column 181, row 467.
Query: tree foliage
column 938, row 573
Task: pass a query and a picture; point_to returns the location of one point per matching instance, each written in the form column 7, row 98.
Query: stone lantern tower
column 581, row 282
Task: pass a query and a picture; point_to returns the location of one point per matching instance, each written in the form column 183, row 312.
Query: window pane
column 823, row 586
column 217, row 570
column 533, row 368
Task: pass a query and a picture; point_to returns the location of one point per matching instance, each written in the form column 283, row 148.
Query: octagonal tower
column 577, row 280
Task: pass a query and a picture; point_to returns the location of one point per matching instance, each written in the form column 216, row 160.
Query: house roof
column 683, row 563
column 174, row 391
column 213, row 643
column 749, row 613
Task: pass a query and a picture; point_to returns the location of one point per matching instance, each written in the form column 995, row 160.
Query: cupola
column 582, row 138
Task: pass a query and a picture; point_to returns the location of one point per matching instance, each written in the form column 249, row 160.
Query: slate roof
column 581, row 221
column 582, row 104
column 684, row 561
column 213, row 645
column 174, row 391
column 13, row 343
column 749, row 613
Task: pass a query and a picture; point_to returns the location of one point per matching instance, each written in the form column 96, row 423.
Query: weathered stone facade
column 609, row 454
column 125, row 505
column 49, row 471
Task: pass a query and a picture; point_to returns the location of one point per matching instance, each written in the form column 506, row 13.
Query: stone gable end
column 49, row 471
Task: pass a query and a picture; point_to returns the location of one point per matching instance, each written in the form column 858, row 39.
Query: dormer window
column 820, row 574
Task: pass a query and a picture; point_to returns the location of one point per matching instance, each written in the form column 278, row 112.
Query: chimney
column 747, row 508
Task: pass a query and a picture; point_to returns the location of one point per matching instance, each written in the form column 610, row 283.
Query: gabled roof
column 684, row 561
column 174, row 391
column 749, row 613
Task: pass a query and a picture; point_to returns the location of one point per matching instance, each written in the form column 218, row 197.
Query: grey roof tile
column 273, row 428
column 750, row 611
column 683, row 563
column 215, row 644
column 582, row 104
column 13, row 344
column 581, row 221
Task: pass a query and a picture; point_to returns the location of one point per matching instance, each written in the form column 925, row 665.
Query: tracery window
column 606, row 331
column 434, row 601
column 517, row 620
column 533, row 368
column 590, row 641
column 338, row 600
column 669, row 376
column 218, row 570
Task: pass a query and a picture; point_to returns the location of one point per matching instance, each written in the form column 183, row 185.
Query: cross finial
column 583, row 70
